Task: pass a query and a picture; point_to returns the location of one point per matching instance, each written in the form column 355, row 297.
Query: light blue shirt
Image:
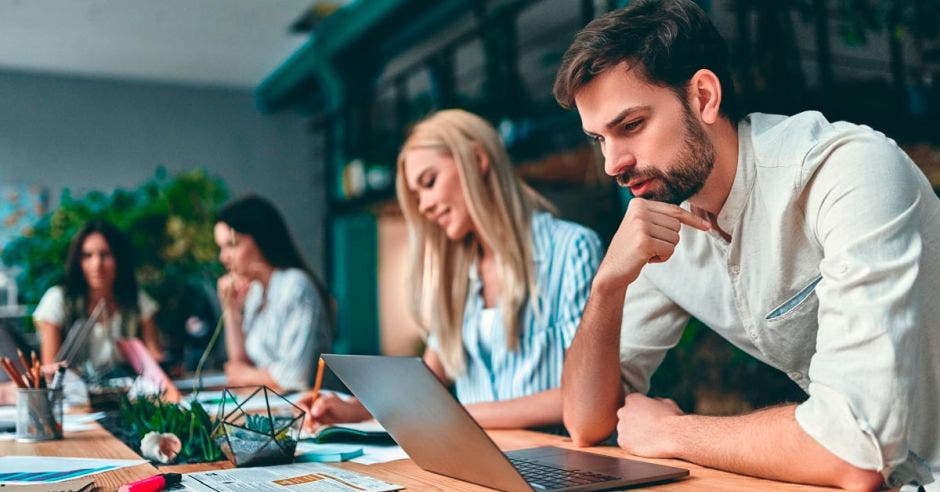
column 566, row 257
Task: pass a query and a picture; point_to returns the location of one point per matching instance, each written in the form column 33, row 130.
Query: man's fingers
column 663, row 233
column 691, row 220
column 681, row 214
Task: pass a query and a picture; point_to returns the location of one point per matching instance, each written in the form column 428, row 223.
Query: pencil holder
column 38, row 414
column 261, row 428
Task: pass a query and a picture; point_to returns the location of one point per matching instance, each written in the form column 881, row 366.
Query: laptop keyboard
column 549, row 477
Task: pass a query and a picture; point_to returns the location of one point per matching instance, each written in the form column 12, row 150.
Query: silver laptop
column 441, row 437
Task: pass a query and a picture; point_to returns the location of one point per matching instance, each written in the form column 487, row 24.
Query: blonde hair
column 500, row 206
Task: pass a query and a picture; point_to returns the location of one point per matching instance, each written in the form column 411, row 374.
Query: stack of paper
column 28, row 470
column 306, row 477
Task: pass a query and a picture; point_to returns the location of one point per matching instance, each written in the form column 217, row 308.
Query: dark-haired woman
column 99, row 269
column 278, row 315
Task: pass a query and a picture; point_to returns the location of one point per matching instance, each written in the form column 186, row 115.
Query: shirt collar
column 540, row 220
column 730, row 213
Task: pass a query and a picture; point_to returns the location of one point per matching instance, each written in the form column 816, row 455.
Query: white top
column 831, row 275
column 102, row 351
column 287, row 332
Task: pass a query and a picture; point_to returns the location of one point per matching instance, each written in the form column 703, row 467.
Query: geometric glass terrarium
column 261, row 428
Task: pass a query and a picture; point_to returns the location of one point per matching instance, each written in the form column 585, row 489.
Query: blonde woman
column 498, row 283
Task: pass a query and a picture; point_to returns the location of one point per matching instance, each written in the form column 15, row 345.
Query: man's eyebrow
column 626, row 113
column 617, row 120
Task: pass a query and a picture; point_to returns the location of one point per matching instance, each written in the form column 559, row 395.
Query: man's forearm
column 591, row 387
column 768, row 444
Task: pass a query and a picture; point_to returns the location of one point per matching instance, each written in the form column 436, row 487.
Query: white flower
column 160, row 447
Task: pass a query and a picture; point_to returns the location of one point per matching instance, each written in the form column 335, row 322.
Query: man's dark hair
column 666, row 41
column 125, row 284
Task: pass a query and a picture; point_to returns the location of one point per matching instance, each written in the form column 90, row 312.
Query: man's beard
column 686, row 176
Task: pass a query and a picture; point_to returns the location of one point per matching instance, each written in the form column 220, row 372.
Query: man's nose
column 617, row 160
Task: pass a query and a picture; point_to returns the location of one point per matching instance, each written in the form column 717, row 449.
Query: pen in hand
column 319, row 379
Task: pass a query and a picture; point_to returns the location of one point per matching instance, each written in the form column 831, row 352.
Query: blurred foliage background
column 168, row 219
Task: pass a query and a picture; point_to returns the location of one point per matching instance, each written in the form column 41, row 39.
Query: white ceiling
column 200, row 42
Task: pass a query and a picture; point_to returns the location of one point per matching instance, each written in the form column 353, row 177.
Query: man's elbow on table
column 853, row 478
column 588, row 432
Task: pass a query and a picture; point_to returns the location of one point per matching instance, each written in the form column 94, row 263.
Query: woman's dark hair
column 125, row 284
column 666, row 41
column 257, row 217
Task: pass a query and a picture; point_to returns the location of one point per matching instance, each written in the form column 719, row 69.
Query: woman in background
column 278, row 314
column 498, row 283
column 99, row 268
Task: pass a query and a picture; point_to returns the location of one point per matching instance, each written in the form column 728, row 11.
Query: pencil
column 37, row 374
column 319, row 380
column 22, row 359
column 11, row 371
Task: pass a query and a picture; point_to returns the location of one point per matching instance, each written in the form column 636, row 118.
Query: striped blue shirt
column 566, row 257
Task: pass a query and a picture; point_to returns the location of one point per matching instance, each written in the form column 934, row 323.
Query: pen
column 57, row 377
column 155, row 483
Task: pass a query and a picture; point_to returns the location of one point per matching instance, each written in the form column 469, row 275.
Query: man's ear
column 483, row 159
column 705, row 95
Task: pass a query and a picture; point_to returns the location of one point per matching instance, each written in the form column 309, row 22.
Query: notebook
column 368, row 431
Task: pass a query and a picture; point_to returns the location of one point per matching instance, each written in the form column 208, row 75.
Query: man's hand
column 328, row 408
column 643, row 424
column 648, row 233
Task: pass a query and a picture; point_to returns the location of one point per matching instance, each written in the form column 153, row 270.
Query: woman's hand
column 238, row 373
column 328, row 408
column 232, row 289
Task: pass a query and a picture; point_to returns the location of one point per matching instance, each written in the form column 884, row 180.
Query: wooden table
column 99, row 443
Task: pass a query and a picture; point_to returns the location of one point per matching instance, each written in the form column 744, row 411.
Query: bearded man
column 813, row 246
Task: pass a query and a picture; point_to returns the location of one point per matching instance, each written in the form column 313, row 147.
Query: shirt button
column 734, row 269
column 795, row 376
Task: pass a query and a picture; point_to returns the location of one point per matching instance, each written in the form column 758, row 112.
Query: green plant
column 168, row 219
column 263, row 424
column 193, row 426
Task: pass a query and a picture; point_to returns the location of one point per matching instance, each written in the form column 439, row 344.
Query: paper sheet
column 208, row 381
column 25, row 470
column 71, row 422
column 372, row 454
column 305, row 477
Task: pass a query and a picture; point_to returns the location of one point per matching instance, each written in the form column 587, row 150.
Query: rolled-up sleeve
column 581, row 262
column 863, row 371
